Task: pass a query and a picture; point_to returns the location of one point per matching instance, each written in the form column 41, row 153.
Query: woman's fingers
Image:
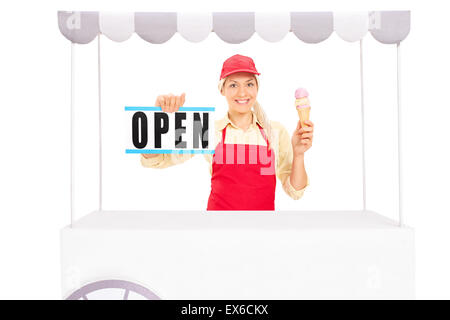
column 164, row 104
column 178, row 103
column 306, row 130
column 158, row 101
column 309, row 123
column 174, row 104
column 306, row 133
column 309, row 126
column 183, row 95
column 161, row 102
column 170, row 102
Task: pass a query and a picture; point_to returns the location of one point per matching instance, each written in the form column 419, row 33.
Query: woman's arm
column 161, row 161
column 149, row 156
column 298, row 177
column 285, row 160
column 301, row 142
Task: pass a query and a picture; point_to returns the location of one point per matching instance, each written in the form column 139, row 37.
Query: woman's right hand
column 169, row 102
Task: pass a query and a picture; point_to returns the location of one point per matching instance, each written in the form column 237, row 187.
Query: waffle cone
column 303, row 114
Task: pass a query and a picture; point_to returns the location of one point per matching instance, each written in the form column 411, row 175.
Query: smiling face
column 240, row 89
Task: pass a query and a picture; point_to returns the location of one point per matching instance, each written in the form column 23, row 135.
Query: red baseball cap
column 238, row 63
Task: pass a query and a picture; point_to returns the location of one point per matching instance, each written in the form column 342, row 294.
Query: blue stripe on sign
column 168, row 151
column 180, row 109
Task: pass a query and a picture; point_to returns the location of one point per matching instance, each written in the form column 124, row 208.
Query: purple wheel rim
column 127, row 286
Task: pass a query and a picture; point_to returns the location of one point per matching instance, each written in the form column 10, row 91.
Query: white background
column 35, row 92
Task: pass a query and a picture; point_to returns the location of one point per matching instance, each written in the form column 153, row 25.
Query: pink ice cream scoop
column 301, row 93
column 301, row 98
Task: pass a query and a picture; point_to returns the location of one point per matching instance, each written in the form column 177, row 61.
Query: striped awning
column 387, row 27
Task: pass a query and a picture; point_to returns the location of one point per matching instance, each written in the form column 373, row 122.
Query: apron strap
column 223, row 133
column 264, row 135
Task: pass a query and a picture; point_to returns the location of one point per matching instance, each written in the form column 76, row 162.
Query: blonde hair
column 259, row 111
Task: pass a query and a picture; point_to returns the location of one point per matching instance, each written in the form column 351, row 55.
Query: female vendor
column 247, row 183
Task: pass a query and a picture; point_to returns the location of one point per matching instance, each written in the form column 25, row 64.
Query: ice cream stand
column 257, row 255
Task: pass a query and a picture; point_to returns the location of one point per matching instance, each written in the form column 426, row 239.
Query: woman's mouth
column 243, row 101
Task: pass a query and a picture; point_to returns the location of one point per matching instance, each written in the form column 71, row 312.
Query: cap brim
column 239, row 70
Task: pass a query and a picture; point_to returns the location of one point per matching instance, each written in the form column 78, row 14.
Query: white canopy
column 387, row 27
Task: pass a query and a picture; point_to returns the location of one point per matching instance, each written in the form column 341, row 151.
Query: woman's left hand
column 302, row 138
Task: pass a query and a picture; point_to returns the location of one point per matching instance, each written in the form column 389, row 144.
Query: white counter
column 242, row 255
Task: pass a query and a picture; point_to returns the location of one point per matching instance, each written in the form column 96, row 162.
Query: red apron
column 243, row 176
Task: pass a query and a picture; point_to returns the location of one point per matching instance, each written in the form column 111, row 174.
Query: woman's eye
column 232, row 85
column 250, row 84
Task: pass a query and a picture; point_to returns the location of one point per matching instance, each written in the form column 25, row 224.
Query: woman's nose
column 242, row 92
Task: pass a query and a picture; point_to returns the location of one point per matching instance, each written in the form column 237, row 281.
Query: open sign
column 189, row 130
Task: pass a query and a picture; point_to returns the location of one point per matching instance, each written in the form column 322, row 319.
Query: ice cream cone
column 303, row 114
column 302, row 105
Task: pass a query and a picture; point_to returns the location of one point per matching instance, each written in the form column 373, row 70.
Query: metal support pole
column 399, row 140
column 362, row 125
column 100, row 178
column 72, row 130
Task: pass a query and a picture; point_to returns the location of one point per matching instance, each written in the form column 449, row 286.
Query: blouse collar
column 222, row 123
